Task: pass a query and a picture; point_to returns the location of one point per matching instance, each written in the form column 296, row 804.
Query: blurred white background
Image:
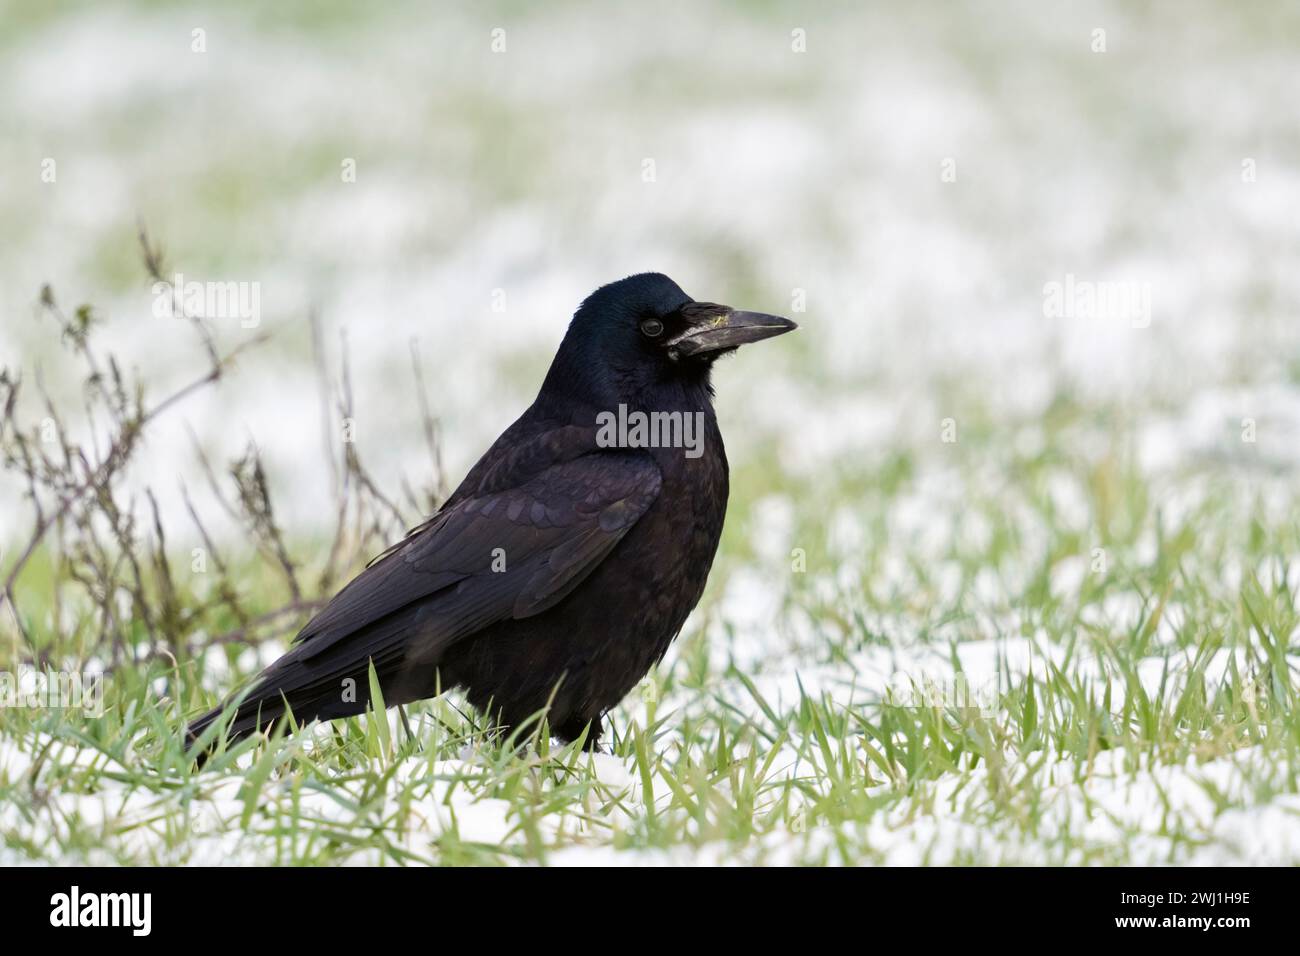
column 793, row 149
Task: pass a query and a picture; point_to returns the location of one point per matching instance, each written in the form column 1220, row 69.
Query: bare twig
column 110, row 548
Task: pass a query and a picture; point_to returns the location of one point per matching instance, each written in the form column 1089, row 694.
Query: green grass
column 1156, row 699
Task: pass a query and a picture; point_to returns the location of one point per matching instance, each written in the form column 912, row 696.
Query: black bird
column 566, row 562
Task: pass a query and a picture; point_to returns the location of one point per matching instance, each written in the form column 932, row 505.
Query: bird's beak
column 728, row 330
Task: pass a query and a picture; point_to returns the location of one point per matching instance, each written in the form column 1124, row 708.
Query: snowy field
column 1012, row 557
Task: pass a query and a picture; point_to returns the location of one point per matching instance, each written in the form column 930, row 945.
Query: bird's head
column 644, row 330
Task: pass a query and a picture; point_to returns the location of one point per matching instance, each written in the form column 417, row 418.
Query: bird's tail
column 265, row 706
column 315, row 682
column 242, row 723
column 258, row 710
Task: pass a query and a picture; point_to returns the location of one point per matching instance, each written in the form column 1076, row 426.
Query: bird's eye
column 652, row 328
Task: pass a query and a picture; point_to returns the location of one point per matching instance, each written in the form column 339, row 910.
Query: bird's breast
column 673, row 545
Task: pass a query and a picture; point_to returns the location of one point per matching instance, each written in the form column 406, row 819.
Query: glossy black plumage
column 561, row 569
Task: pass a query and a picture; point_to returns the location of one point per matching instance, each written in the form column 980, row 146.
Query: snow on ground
column 1109, row 810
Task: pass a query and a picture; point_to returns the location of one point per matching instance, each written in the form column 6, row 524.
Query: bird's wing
column 495, row 551
column 506, row 553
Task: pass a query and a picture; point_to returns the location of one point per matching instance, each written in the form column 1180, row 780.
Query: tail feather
column 322, row 686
